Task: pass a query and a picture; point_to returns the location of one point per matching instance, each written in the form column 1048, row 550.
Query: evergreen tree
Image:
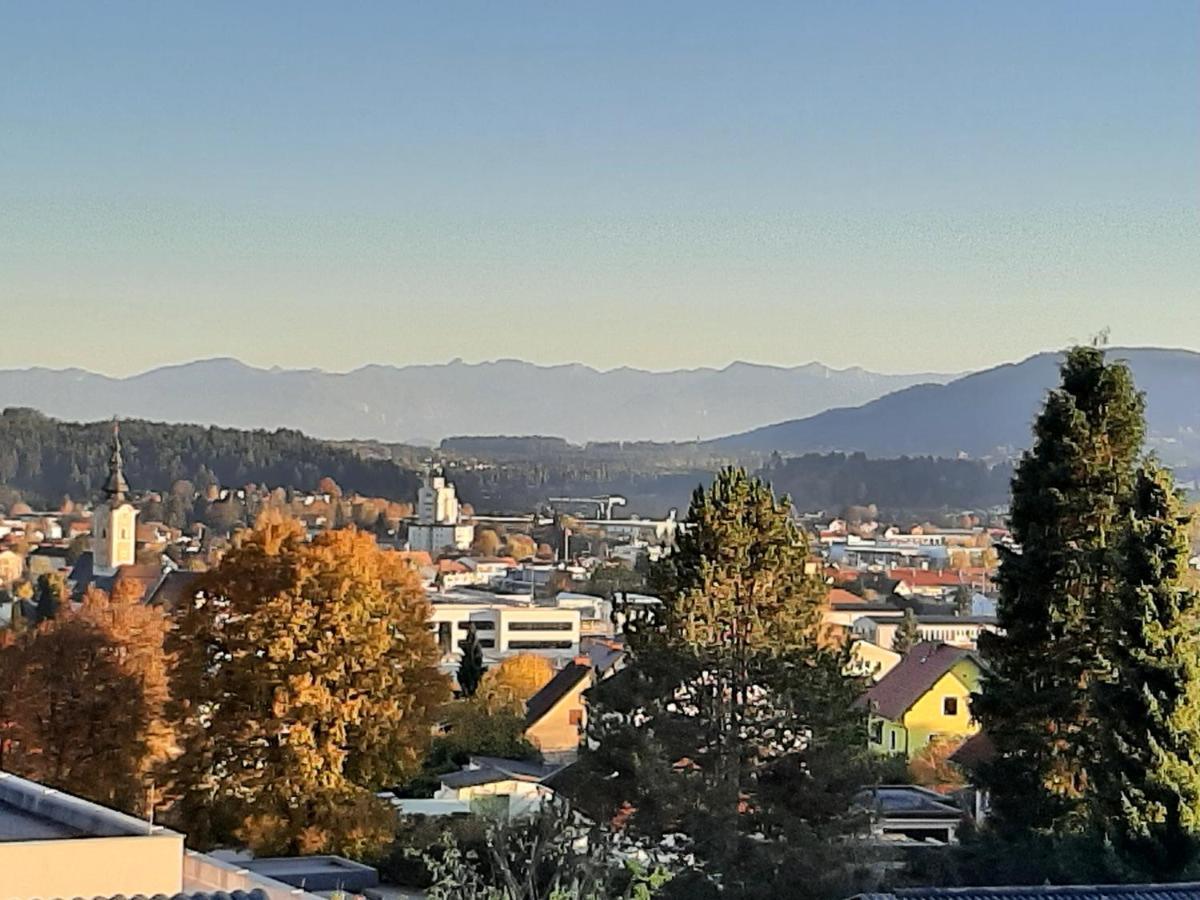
column 470, row 665
column 49, row 596
column 730, row 725
column 962, row 600
column 907, row 634
column 1070, row 494
column 1147, row 789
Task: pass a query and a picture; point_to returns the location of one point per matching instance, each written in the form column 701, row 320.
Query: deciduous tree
column 307, row 678
column 516, row 679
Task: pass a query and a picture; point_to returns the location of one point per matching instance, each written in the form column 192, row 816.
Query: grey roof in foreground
column 256, row 894
column 1188, row 891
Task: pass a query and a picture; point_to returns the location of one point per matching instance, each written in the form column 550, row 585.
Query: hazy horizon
column 120, row 375
column 925, row 187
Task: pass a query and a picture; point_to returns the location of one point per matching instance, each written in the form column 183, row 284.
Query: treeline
column 833, row 480
column 43, row 459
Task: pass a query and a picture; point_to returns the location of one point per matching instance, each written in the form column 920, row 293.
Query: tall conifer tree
column 1147, row 787
column 731, row 725
column 1070, row 495
column 470, row 666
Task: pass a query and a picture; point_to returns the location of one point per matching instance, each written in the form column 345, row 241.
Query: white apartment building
column 504, row 626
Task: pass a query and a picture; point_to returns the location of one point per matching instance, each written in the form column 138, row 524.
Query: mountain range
column 425, row 403
column 988, row 414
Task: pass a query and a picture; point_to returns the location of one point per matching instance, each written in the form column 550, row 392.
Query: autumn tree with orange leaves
column 306, row 679
column 85, row 700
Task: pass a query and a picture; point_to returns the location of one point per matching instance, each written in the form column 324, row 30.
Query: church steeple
column 114, row 524
column 116, row 487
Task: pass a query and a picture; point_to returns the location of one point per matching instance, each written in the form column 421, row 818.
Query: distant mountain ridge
column 988, row 414
column 430, row 402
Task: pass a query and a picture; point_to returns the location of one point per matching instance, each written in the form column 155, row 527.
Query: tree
column 87, row 700
column 1146, row 795
column 931, row 766
column 49, row 595
column 471, row 668
column 469, row 729
column 609, row 579
column 486, row 543
column 307, row 678
column 520, row 546
column 511, row 683
column 908, row 635
column 963, row 601
column 731, row 725
column 547, row 856
column 1070, row 495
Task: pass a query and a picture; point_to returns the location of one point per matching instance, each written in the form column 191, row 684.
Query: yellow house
column 928, row 694
column 556, row 715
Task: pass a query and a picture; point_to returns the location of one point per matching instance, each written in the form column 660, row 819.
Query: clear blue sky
column 902, row 185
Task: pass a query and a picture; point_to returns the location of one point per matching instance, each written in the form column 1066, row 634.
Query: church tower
column 114, row 524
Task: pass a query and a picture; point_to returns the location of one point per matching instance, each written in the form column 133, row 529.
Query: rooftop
column 31, row 812
column 1048, row 892
column 920, row 670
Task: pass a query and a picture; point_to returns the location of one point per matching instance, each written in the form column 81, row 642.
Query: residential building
column 962, row 631
column 503, row 788
column 12, row 567
column 926, row 695
column 55, row 845
column 557, row 715
column 872, row 661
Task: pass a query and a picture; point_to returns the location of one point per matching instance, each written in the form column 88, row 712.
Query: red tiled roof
column 928, row 577
column 418, row 558
column 451, row 567
column 893, row 695
column 842, row 596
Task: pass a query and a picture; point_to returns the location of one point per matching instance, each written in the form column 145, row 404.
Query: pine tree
column 1070, row 494
column 470, row 666
column 306, row 679
column 1147, row 787
column 50, row 593
column 908, row 635
column 963, row 601
column 731, row 723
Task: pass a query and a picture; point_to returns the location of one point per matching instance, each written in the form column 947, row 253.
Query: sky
column 906, row 186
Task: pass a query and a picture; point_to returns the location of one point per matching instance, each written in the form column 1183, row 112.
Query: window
column 877, row 731
column 575, row 716
column 892, row 742
column 950, row 706
column 540, row 645
column 540, row 626
column 480, row 625
column 443, row 636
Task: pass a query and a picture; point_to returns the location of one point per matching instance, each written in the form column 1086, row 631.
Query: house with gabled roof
column 556, row 715
column 926, row 695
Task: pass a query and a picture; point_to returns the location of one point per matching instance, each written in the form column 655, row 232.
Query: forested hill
column 43, row 459
column 989, row 413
